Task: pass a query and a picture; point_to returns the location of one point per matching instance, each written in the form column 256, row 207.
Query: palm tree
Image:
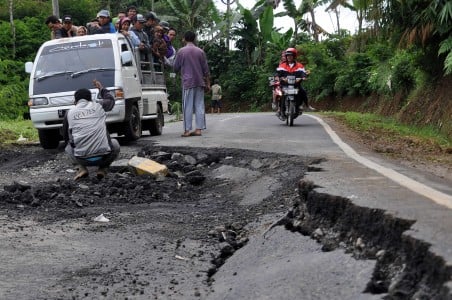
column 297, row 14
column 334, row 7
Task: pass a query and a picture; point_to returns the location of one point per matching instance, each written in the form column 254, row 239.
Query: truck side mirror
column 28, row 67
column 126, row 58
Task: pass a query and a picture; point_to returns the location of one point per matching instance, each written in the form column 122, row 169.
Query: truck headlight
column 119, row 94
column 38, row 101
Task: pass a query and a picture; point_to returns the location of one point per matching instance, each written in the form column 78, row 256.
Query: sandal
column 186, row 134
column 194, row 133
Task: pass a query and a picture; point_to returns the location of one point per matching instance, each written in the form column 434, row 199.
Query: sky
column 326, row 20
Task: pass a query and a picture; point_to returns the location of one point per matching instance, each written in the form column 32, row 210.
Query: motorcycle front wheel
column 291, row 114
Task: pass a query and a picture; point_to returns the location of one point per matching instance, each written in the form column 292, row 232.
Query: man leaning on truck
column 88, row 142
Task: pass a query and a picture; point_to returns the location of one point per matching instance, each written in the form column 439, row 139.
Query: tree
column 297, row 14
column 192, row 14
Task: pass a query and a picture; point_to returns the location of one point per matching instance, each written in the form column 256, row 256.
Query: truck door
column 131, row 79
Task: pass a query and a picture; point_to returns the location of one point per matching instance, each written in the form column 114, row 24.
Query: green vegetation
column 391, row 130
column 12, row 130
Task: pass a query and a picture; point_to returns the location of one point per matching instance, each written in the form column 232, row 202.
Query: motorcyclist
column 291, row 67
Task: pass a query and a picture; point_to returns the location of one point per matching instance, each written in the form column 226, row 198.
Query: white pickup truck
column 63, row 66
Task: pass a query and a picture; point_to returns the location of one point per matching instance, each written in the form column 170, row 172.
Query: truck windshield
column 73, row 65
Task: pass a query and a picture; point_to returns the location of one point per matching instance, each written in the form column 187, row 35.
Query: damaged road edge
column 405, row 268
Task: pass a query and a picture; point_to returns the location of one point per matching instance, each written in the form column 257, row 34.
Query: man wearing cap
column 104, row 25
column 151, row 22
column 88, row 142
column 57, row 30
column 68, row 26
column 144, row 45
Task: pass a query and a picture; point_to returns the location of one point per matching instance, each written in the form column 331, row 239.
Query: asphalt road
column 365, row 178
column 132, row 257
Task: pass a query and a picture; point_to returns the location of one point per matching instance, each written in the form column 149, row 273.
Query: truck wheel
column 49, row 138
column 156, row 126
column 133, row 125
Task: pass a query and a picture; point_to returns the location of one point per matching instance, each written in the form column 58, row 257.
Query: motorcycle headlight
column 38, row 101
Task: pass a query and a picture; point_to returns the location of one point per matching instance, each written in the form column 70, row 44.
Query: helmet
column 291, row 51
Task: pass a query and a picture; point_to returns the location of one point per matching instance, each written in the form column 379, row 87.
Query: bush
column 13, row 89
column 354, row 77
column 324, row 60
column 403, row 71
column 380, row 79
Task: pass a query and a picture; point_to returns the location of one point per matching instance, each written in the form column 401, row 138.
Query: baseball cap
column 67, row 18
column 140, row 18
column 104, row 13
column 151, row 16
column 164, row 24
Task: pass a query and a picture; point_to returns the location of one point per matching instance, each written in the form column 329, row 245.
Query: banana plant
column 258, row 32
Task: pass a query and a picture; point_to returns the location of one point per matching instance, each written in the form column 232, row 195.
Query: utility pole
column 55, row 8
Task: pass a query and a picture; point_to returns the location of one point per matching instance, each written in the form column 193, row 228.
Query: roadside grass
column 11, row 131
column 388, row 130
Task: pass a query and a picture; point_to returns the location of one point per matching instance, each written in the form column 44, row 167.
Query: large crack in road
column 169, row 237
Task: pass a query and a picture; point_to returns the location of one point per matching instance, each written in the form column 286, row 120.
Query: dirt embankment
column 432, row 106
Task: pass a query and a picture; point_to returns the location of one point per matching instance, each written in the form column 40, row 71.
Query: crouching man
column 88, row 142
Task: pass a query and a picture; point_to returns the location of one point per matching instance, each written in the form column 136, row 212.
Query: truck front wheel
column 133, row 125
column 49, row 138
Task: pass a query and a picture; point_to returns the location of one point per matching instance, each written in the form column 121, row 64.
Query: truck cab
column 62, row 66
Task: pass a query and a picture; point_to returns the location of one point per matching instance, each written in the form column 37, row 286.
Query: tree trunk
column 13, row 28
column 337, row 12
column 315, row 31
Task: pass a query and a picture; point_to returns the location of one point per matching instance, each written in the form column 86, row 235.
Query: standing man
column 86, row 135
column 191, row 61
column 151, row 22
column 216, row 97
column 144, row 45
column 131, row 12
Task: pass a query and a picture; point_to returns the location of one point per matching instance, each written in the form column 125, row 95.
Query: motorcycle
column 288, row 111
column 289, row 101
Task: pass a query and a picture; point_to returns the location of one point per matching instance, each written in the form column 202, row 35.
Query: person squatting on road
column 291, row 67
column 88, row 142
column 191, row 61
